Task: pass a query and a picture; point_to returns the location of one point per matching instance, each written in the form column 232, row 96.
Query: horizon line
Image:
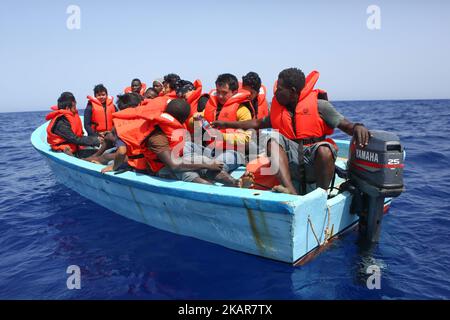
column 358, row 100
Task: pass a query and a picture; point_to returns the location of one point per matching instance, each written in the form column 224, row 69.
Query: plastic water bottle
column 206, row 125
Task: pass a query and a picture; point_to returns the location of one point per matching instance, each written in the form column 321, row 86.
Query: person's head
column 136, row 86
column 158, row 85
column 289, row 85
column 128, row 100
column 170, row 82
column 183, row 89
column 101, row 93
column 252, row 82
column 226, row 86
column 66, row 101
column 202, row 102
column 179, row 109
column 150, row 93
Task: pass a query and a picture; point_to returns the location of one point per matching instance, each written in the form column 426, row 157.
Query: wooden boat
column 277, row 226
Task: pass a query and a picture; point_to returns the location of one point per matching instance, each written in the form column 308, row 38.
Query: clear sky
column 408, row 58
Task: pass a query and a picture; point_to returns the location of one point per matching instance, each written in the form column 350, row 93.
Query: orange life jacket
column 101, row 119
column 56, row 142
column 133, row 127
column 263, row 106
column 309, row 126
column 171, row 95
column 141, row 92
column 159, row 104
column 262, row 182
column 229, row 109
column 227, row 113
column 192, row 98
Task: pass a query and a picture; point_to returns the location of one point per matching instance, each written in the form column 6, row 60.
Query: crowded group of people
column 175, row 130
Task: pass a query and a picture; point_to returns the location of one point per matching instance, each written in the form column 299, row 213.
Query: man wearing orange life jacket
column 150, row 143
column 227, row 103
column 170, row 85
column 258, row 103
column 125, row 101
column 303, row 120
column 137, row 87
column 65, row 131
column 98, row 112
column 141, row 107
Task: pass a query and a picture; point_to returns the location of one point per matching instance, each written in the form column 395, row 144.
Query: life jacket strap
column 301, row 159
column 312, row 140
column 136, row 156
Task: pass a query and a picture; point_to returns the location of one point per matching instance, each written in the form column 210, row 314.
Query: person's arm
column 119, row 159
column 166, row 158
column 63, row 129
column 159, row 144
column 357, row 130
column 244, row 125
column 336, row 120
column 88, row 120
column 108, row 143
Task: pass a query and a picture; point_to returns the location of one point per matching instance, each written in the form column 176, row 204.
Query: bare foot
column 97, row 159
column 246, row 181
column 282, row 189
column 67, row 151
column 107, row 169
column 226, row 179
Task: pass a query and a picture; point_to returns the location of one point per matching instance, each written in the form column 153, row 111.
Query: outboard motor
column 375, row 172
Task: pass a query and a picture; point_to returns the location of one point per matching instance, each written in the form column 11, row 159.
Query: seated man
column 258, row 103
column 149, row 143
column 124, row 101
column 136, row 87
column 227, row 103
column 98, row 112
column 303, row 120
column 65, row 131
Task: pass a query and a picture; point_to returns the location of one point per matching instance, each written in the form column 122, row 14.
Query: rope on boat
column 314, row 233
column 327, row 229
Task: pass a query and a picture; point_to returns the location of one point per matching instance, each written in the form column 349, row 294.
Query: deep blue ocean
column 45, row 227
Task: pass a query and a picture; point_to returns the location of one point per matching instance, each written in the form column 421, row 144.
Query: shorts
column 291, row 149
